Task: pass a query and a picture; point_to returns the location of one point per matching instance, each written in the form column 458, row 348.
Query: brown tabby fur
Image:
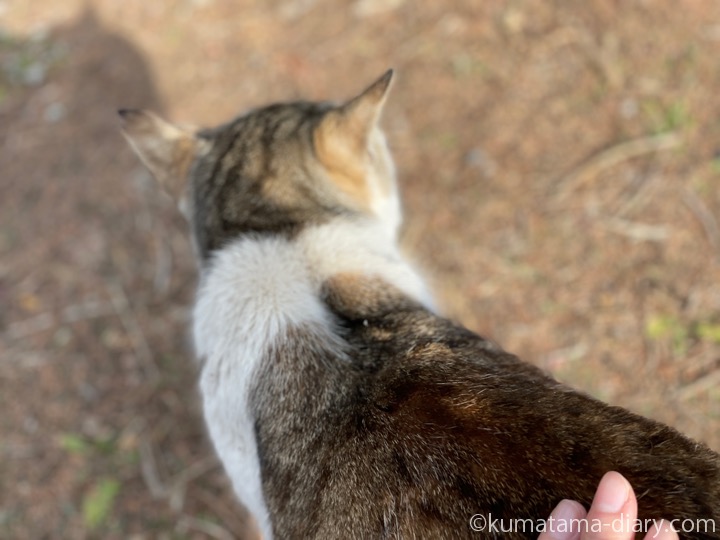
column 427, row 423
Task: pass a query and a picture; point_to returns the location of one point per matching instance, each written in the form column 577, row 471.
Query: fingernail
column 564, row 516
column 612, row 493
column 566, row 510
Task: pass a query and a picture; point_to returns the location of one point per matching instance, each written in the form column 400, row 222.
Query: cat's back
column 429, row 424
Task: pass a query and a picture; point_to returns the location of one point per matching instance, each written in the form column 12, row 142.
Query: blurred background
column 560, row 164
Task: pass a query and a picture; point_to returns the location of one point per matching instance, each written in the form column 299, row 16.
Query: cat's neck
column 259, row 286
column 364, row 253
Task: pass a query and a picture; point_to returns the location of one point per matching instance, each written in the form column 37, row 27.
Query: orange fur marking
column 344, row 167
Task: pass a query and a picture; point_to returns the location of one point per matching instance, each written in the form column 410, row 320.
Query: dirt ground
column 560, row 163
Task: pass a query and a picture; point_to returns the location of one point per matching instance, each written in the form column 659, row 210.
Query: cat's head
column 276, row 169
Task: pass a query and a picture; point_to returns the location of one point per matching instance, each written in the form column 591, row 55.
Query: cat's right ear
column 166, row 149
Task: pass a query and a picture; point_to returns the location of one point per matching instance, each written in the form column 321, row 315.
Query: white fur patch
column 384, row 198
column 363, row 247
column 252, row 292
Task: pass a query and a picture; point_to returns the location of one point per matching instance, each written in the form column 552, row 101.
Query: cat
column 340, row 403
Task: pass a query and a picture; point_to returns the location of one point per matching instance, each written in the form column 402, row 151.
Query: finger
column 613, row 511
column 564, row 522
column 661, row 530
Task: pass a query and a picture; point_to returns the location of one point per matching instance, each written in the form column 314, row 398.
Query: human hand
column 611, row 516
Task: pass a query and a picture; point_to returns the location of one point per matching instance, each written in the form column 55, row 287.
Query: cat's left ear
column 166, row 149
column 342, row 138
column 353, row 122
column 362, row 113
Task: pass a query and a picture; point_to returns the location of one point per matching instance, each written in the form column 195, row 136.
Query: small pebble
column 477, row 158
column 30, row 424
column 34, row 74
column 54, row 112
column 628, row 108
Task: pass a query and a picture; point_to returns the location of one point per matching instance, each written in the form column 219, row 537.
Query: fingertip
column 614, row 507
column 612, row 493
column 567, row 509
column 564, row 521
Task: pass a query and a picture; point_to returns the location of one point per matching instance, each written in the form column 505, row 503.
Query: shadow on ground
column 101, row 428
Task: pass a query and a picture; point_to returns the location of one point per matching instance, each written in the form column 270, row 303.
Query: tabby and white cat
column 339, row 402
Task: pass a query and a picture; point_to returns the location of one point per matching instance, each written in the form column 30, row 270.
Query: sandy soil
column 561, row 170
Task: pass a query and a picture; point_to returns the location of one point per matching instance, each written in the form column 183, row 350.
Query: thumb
column 613, row 511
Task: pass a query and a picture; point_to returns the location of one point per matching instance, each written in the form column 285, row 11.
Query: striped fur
column 339, row 402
